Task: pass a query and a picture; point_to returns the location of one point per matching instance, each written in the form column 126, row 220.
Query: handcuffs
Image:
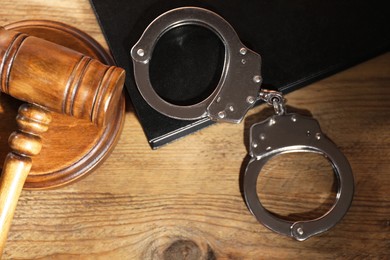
column 237, row 91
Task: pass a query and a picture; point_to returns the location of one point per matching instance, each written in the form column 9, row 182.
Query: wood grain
column 51, row 77
column 183, row 201
column 24, row 143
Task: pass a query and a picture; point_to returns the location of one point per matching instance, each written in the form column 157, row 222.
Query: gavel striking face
column 49, row 77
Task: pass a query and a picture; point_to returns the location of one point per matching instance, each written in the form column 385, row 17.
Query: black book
column 300, row 41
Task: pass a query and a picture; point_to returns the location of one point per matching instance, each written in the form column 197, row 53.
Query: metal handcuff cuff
column 237, row 91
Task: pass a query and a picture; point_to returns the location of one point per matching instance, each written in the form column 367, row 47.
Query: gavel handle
column 15, row 171
column 26, row 142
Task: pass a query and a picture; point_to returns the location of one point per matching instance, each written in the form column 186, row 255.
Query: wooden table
column 183, row 201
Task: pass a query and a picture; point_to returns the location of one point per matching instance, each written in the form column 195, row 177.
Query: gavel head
column 60, row 79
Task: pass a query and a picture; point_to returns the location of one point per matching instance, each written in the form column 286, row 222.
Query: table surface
column 183, row 201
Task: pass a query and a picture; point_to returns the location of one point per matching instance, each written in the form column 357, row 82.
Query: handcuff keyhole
column 297, row 186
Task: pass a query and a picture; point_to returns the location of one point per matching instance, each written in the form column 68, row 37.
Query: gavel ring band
column 240, row 81
column 294, row 133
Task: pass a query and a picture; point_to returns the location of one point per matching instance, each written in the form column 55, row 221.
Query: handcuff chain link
column 275, row 99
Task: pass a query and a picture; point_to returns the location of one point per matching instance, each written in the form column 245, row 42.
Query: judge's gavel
column 49, row 77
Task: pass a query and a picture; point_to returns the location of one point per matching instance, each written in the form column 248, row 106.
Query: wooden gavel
column 49, row 77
